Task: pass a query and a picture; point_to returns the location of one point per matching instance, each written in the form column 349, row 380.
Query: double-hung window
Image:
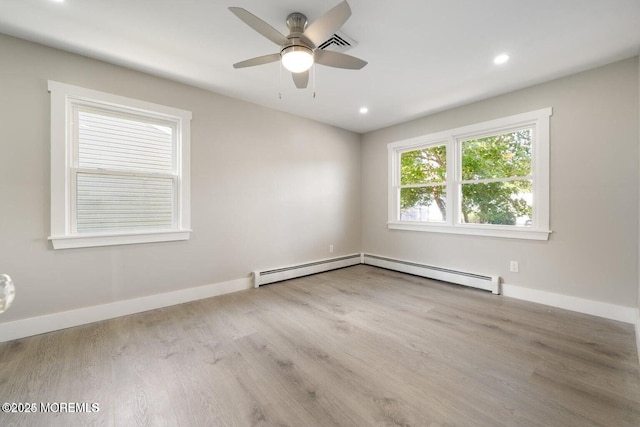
column 119, row 169
column 489, row 179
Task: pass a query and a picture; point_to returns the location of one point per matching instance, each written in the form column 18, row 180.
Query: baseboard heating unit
column 291, row 272
column 474, row 280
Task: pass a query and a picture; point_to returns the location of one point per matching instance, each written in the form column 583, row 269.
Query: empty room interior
column 301, row 213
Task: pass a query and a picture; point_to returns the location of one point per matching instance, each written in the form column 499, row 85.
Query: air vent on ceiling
column 339, row 42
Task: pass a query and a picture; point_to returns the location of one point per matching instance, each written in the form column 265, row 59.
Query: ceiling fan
column 299, row 50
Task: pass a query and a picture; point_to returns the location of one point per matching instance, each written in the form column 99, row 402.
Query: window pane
column 507, row 203
column 498, row 156
column 117, row 143
column 112, row 203
column 428, row 165
column 423, row 204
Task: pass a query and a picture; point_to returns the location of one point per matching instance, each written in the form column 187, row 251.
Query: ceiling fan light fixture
column 297, row 59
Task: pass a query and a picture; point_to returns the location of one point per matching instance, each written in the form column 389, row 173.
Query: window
column 423, row 187
column 119, row 169
column 489, row 179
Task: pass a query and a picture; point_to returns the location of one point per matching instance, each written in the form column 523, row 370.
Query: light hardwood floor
column 359, row 346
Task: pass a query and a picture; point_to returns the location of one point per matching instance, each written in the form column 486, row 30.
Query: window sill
column 474, row 230
column 92, row 240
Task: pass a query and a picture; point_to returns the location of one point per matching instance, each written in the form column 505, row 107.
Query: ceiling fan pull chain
column 280, row 82
column 314, row 80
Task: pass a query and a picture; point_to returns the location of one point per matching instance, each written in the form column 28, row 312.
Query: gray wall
column 593, row 250
column 268, row 189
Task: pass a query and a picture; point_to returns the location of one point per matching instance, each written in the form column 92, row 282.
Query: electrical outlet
column 513, row 266
column 330, row 249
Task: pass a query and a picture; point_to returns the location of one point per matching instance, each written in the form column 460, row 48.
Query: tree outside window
column 496, row 183
column 496, row 179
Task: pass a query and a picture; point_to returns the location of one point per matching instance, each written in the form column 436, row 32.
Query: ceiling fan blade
column 259, row 25
column 338, row 60
column 301, row 79
column 260, row 60
column 322, row 28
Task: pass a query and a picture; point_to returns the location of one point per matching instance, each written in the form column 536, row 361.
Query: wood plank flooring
column 360, row 346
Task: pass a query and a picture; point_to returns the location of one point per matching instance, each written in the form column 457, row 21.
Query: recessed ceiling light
column 501, row 59
column 58, row 1
column 364, row 110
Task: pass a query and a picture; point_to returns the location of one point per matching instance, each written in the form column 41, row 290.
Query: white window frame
column 64, row 98
column 538, row 120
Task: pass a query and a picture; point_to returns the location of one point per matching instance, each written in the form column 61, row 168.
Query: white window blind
column 119, row 169
column 125, row 175
column 111, row 202
column 115, row 142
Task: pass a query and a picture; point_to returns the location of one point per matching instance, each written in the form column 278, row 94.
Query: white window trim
column 63, row 97
column 538, row 120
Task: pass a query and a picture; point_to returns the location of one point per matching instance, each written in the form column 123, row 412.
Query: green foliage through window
column 425, row 171
column 498, row 159
column 496, row 184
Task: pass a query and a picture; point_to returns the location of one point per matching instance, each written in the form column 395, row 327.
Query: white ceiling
column 424, row 55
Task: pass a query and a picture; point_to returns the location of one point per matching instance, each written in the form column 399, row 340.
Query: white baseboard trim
column 66, row 319
column 51, row 322
column 581, row 305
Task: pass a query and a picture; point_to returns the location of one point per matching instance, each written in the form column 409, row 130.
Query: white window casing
column 120, row 169
column 537, row 120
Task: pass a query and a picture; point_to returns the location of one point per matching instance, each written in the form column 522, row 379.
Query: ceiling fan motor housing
column 296, row 22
